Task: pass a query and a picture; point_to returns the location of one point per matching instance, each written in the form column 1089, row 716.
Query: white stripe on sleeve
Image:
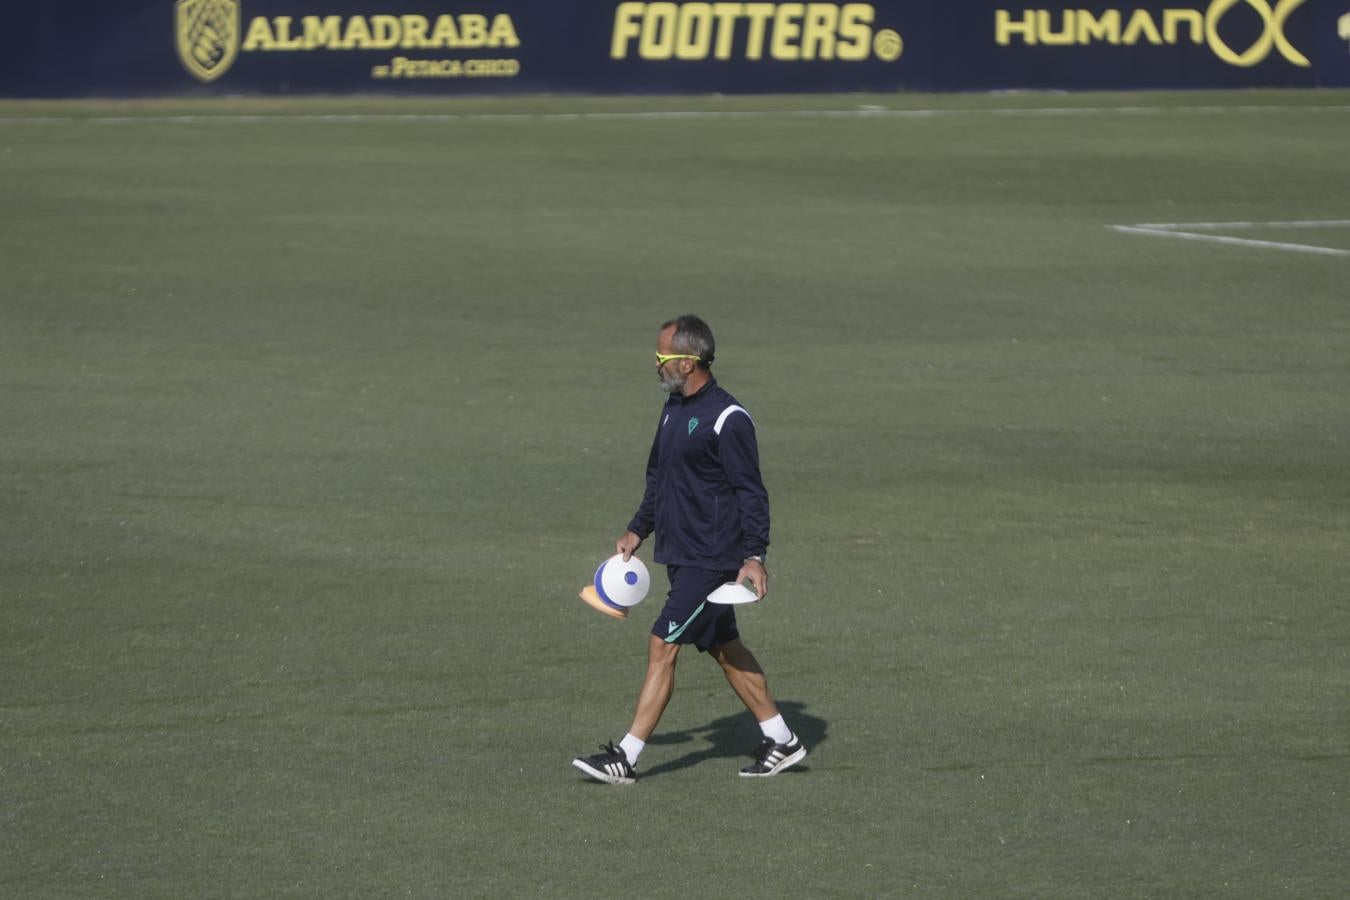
column 721, row 420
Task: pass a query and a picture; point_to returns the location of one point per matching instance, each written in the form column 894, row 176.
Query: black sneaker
column 772, row 758
column 610, row 765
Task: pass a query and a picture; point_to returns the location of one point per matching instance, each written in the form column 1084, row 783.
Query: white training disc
column 622, row 584
column 732, row 593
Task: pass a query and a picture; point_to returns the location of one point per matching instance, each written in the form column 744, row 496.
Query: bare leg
column 746, row 678
column 656, row 687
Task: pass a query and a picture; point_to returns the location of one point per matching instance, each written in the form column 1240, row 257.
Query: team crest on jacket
column 693, row 423
column 208, row 36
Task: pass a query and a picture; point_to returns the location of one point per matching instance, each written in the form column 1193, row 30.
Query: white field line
column 865, row 112
column 1175, row 230
column 1225, row 226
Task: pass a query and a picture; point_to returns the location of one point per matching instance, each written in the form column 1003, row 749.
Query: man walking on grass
column 707, row 504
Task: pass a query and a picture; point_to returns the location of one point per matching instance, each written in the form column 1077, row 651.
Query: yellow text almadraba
column 380, row 32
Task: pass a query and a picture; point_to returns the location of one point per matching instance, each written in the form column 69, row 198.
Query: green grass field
column 314, row 426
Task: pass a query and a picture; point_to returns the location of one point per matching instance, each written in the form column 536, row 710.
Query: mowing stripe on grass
column 865, row 112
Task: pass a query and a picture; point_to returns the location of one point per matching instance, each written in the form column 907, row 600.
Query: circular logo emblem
column 888, row 45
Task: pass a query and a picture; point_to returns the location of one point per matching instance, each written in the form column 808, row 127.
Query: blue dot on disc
column 630, row 577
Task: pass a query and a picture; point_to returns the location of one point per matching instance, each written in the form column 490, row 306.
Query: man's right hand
column 627, row 545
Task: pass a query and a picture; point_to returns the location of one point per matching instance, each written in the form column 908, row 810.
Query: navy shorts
column 688, row 617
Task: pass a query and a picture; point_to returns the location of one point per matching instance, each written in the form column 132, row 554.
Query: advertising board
column 186, row 47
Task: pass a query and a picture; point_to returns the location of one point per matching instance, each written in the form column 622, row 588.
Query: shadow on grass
column 737, row 736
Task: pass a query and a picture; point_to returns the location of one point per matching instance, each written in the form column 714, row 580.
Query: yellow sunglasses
column 663, row 358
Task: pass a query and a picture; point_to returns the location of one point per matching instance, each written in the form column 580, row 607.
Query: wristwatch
column 758, row 559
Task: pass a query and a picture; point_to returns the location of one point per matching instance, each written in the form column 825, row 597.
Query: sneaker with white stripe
column 610, row 765
column 772, row 758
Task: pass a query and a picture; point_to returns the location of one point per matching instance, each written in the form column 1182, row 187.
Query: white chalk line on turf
column 1225, row 226
column 865, row 112
column 1194, row 231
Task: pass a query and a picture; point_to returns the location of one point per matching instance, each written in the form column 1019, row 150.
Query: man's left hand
column 754, row 572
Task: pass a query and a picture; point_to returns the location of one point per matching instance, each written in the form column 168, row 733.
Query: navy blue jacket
column 705, row 498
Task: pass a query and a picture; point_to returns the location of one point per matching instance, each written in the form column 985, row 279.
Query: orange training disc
column 593, row 600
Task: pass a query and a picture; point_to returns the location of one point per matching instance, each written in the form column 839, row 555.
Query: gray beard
column 674, row 385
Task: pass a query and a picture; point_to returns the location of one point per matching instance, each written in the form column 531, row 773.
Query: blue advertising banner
column 185, row 47
column 1214, row 43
